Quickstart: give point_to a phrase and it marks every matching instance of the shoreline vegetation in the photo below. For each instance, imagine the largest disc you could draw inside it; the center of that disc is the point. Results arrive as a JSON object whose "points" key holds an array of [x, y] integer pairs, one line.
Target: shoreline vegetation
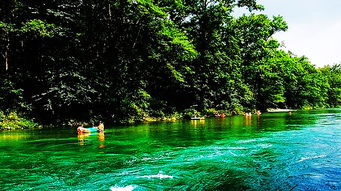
{"points": [[146, 60], [13, 121]]}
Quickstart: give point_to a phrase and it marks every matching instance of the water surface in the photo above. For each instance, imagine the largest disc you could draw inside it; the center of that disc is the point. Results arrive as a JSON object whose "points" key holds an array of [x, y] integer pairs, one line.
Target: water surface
{"points": [[301, 151]]}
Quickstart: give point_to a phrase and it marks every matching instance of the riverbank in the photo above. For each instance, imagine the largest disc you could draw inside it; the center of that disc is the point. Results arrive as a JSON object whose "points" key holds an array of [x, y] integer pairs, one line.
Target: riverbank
{"points": [[13, 120]]}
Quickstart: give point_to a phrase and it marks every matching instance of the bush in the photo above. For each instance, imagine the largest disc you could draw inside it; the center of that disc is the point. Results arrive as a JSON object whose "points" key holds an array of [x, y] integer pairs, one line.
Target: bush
{"points": [[188, 113], [211, 112], [13, 121]]}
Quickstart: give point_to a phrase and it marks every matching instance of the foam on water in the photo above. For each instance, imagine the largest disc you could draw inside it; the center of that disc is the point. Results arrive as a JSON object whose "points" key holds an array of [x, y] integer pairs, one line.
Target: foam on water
{"points": [[160, 176], [312, 157], [125, 188]]}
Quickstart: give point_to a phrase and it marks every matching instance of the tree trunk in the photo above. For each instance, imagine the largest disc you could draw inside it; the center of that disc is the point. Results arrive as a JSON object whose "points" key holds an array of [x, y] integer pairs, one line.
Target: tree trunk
{"points": [[6, 59], [109, 10], [5, 55]]}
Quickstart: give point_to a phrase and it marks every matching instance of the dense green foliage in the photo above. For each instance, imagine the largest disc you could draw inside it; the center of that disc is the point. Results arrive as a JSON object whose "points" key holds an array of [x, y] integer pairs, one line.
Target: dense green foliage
{"points": [[13, 121], [125, 60]]}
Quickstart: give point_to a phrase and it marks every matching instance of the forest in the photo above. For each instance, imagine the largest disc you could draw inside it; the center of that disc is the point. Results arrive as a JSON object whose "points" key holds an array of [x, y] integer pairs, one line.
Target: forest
{"points": [[124, 61]]}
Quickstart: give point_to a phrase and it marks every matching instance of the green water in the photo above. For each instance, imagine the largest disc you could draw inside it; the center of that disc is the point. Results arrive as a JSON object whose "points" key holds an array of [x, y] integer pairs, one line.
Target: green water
{"points": [[301, 151]]}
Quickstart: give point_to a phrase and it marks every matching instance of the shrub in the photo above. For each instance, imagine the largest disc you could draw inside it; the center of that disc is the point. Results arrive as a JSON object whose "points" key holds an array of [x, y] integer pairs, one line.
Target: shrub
{"points": [[188, 113], [13, 121]]}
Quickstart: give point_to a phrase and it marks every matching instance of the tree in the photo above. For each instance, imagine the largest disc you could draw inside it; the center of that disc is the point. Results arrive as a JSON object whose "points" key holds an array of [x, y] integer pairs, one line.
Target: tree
{"points": [[124, 60], [332, 74]]}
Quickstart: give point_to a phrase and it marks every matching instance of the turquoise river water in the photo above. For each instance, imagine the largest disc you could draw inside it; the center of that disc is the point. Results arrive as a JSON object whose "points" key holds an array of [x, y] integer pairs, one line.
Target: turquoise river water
{"points": [[301, 151]]}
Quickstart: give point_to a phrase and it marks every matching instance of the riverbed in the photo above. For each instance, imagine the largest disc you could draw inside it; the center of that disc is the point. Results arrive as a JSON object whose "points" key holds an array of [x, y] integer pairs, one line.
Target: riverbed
{"points": [[275, 151]]}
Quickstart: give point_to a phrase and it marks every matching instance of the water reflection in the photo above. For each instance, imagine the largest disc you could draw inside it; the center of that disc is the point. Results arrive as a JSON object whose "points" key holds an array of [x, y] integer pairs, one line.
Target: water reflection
{"points": [[11, 136], [101, 139], [84, 137], [199, 123], [81, 138], [248, 121]]}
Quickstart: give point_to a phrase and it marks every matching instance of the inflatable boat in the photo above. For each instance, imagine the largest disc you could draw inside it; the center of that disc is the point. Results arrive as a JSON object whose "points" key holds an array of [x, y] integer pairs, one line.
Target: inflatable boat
{"points": [[86, 130]]}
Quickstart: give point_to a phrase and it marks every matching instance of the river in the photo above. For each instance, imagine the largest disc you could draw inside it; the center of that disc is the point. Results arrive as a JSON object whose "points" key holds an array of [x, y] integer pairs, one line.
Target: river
{"points": [[301, 151]]}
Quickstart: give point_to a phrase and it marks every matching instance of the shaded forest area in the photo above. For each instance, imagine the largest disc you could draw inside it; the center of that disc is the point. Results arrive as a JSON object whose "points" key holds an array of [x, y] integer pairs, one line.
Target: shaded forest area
{"points": [[125, 60]]}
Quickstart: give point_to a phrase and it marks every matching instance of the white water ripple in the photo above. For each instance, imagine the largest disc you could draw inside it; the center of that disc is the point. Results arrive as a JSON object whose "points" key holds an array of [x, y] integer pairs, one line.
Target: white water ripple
{"points": [[313, 157], [160, 176], [125, 188]]}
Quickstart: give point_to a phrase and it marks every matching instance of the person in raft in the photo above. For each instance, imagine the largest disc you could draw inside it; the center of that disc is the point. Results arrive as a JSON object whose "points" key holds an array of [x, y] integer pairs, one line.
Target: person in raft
{"points": [[100, 126]]}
